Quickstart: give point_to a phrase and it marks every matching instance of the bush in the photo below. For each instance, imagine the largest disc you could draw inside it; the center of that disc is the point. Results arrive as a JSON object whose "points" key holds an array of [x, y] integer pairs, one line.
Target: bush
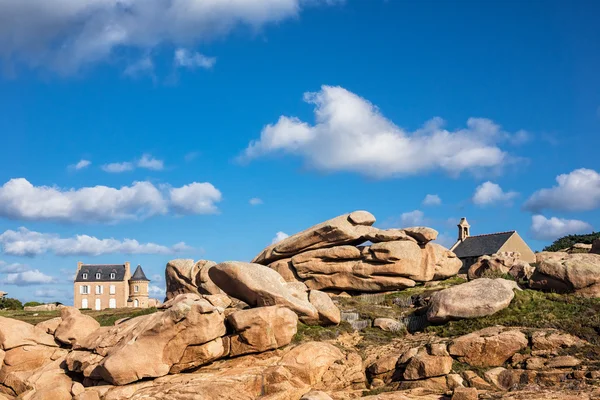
{"points": [[32, 304], [567, 241], [6, 303]]}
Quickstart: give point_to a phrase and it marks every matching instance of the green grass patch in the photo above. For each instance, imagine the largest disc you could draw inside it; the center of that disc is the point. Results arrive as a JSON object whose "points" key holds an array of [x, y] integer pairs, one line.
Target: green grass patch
{"points": [[307, 333], [104, 317], [573, 314]]}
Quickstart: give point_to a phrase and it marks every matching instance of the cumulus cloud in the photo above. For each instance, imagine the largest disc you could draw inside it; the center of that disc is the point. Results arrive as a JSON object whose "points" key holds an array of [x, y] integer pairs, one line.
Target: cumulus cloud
{"points": [[351, 134], [19, 199], [146, 161], [279, 236], [143, 66], [24, 242], [192, 59], [432, 200], [578, 190], [255, 201], [195, 198], [156, 291], [412, 218], [543, 228], [489, 193], [65, 35], [28, 278], [52, 294], [80, 165], [6, 268]]}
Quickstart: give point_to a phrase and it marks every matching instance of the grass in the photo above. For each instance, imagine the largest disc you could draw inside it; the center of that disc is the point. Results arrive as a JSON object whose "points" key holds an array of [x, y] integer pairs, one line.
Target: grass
{"points": [[308, 333], [104, 317], [573, 314]]}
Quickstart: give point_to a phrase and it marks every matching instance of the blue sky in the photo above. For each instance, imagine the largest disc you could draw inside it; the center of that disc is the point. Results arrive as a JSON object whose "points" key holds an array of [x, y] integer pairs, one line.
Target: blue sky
{"points": [[128, 137]]}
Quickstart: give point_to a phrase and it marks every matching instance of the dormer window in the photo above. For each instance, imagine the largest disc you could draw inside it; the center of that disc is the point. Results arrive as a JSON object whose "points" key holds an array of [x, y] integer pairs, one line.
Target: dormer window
{"points": [[84, 276], [113, 275], [98, 275]]}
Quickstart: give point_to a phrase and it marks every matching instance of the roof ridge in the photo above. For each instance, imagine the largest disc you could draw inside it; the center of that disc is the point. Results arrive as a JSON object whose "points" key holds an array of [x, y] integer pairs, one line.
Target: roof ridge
{"points": [[491, 234], [102, 265]]}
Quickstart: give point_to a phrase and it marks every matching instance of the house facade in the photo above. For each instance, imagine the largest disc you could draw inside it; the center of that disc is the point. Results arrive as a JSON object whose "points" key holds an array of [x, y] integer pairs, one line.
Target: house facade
{"points": [[469, 248], [101, 286]]}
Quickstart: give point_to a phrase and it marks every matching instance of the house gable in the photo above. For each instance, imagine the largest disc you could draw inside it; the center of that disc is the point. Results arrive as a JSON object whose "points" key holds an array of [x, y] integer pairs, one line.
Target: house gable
{"points": [[516, 243]]}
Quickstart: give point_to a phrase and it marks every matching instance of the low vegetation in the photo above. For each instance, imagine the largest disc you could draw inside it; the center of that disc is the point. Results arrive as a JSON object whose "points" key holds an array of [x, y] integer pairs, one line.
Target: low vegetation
{"points": [[104, 317], [567, 241]]}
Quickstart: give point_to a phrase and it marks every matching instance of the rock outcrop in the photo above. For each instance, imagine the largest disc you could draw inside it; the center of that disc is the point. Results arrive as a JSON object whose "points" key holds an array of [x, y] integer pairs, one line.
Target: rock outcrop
{"points": [[74, 326], [474, 299], [567, 273], [329, 256], [509, 263], [186, 276]]}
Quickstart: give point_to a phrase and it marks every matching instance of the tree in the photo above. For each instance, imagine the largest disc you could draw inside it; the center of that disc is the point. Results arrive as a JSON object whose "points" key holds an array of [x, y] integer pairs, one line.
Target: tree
{"points": [[6, 303], [568, 241], [32, 304]]}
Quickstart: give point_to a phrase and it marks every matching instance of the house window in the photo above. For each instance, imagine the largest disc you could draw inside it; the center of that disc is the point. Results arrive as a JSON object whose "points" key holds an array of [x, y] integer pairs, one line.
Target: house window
{"points": [[99, 289], [136, 288], [136, 303], [84, 303], [112, 303], [85, 289], [112, 289], [98, 275], [98, 305], [112, 275], [84, 276]]}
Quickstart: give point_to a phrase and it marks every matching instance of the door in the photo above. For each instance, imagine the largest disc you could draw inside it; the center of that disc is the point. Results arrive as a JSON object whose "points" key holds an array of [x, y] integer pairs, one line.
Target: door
{"points": [[136, 303], [112, 303], [84, 303], [98, 304]]}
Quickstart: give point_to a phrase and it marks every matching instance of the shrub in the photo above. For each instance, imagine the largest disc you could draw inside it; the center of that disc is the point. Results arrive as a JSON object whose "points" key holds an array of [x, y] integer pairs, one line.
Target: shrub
{"points": [[7, 303], [568, 241], [32, 304]]}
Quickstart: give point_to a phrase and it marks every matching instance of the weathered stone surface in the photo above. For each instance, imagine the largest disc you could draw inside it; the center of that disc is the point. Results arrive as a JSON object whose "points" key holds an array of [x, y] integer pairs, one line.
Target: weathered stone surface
{"points": [[388, 325], [567, 273], [553, 340], [474, 299], [424, 366], [186, 276], [74, 326], [316, 395], [329, 313], [344, 229], [285, 268], [195, 356], [49, 326], [261, 329], [310, 361], [501, 263], [375, 235], [298, 289], [446, 264], [259, 286], [43, 307], [421, 234], [84, 362], [595, 247], [149, 345], [489, 347], [15, 333], [463, 393], [218, 300]]}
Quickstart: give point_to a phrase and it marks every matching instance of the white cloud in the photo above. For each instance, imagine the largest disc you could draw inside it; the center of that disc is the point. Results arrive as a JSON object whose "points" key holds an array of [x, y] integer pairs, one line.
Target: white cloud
{"points": [[65, 35], [51, 294], [24, 242], [578, 190], [279, 236], [80, 165], [157, 278], [412, 218], [195, 198], [6, 268], [446, 240], [116, 168], [192, 59], [255, 201], [489, 193], [543, 228], [432, 200], [143, 66], [19, 199], [351, 134], [27, 278], [156, 291], [146, 161]]}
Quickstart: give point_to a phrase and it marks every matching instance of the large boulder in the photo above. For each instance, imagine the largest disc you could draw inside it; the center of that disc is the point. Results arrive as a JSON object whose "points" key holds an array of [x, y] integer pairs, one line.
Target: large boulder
{"points": [[261, 329], [489, 347], [567, 273], [148, 346], [260, 286], [474, 299], [329, 313], [595, 247], [424, 365], [14, 333], [74, 326], [186, 276], [345, 229], [501, 263]]}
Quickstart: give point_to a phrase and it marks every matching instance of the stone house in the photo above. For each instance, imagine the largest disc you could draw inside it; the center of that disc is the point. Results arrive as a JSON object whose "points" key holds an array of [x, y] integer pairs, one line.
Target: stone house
{"points": [[469, 248], [110, 286]]}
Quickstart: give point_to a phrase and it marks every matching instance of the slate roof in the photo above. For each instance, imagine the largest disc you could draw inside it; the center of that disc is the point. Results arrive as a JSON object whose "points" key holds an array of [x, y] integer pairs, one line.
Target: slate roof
{"points": [[139, 275], [477, 246], [105, 271]]}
